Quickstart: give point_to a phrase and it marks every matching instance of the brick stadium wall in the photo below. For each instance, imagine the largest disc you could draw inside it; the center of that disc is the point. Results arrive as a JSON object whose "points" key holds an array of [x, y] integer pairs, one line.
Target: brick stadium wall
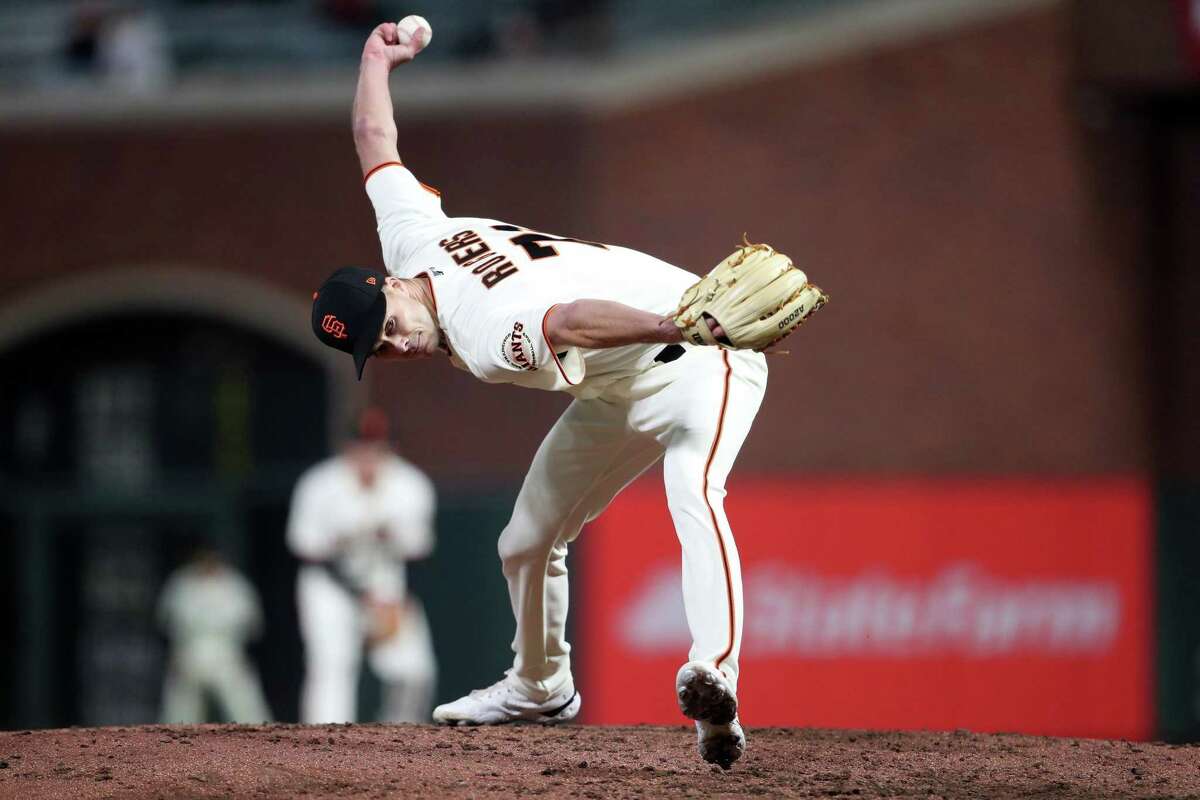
{"points": [[936, 193], [933, 189]]}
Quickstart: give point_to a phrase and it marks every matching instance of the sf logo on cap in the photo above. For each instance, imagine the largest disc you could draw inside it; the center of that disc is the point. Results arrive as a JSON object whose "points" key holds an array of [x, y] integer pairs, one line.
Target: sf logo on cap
{"points": [[334, 326]]}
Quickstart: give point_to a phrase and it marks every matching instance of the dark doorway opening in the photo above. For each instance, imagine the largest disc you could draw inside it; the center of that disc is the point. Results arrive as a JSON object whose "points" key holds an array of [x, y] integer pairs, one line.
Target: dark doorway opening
{"points": [[125, 440]]}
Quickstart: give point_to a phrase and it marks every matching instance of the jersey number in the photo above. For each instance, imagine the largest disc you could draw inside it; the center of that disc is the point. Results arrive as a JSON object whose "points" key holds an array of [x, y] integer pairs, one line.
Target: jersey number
{"points": [[532, 242]]}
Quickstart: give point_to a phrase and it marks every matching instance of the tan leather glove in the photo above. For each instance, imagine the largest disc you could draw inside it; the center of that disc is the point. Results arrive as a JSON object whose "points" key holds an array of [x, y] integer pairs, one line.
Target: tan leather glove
{"points": [[756, 296], [384, 619]]}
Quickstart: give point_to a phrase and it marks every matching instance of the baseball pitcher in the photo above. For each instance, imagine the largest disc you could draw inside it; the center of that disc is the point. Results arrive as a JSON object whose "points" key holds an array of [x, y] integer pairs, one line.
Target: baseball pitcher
{"points": [[661, 367]]}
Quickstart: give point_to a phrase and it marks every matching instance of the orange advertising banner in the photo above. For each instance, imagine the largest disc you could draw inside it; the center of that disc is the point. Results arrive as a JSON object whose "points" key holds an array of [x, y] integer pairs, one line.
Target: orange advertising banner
{"points": [[992, 605]]}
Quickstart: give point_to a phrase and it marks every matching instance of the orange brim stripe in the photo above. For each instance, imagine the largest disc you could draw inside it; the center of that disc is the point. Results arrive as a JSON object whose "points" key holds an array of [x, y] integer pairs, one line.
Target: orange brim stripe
{"points": [[432, 293], [378, 167], [550, 345]]}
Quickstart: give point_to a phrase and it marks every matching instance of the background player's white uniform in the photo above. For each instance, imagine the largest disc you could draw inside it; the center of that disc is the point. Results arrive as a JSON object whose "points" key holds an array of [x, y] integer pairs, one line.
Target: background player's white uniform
{"points": [[209, 612], [493, 285], [360, 535]]}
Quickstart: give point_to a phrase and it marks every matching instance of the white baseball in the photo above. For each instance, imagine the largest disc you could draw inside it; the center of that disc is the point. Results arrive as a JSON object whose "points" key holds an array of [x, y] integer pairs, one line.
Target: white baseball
{"points": [[417, 28]]}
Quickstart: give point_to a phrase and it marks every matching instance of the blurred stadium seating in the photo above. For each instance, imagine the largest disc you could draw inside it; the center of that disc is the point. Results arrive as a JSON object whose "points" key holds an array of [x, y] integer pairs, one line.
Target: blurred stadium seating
{"points": [[242, 38]]}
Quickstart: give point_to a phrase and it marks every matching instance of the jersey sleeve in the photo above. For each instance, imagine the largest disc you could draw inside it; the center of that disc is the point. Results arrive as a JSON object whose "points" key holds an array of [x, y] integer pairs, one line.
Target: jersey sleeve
{"points": [[516, 349], [308, 534], [404, 209], [248, 614], [168, 604], [411, 524]]}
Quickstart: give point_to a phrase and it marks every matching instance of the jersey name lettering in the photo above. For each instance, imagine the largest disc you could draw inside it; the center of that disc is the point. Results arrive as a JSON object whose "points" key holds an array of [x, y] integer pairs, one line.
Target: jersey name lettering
{"points": [[468, 249]]}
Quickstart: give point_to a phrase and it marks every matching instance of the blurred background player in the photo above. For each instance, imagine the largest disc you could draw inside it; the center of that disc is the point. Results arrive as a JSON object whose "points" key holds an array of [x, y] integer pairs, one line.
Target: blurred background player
{"points": [[209, 611], [355, 520], [122, 45]]}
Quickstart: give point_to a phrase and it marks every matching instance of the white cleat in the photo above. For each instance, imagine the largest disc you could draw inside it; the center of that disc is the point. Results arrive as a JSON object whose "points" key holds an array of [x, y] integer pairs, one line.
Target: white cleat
{"points": [[721, 744], [705, 694], [503, 702]]}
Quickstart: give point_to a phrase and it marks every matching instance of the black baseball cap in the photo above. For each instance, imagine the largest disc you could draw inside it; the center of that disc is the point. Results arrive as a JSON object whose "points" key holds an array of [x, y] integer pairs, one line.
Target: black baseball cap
{"points": [[348, 312]]}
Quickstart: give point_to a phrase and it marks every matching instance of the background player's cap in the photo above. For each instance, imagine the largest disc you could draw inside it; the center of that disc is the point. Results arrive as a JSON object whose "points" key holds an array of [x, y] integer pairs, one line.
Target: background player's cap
{"points": [[371, 425], [348, 312]]}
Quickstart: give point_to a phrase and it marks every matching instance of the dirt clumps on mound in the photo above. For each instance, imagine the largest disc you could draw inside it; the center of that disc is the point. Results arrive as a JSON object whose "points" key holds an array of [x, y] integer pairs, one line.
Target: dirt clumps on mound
{"points": [[380, 761]]}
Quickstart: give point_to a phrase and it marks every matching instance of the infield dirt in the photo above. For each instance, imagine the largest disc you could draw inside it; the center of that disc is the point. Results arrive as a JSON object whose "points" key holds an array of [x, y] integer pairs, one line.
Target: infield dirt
{"points": [[381, 761]]}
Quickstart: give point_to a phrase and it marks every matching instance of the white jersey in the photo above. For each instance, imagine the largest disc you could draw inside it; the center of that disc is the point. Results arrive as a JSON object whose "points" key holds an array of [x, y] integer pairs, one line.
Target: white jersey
{"points": [[368, 532], [494, 284], [209, 615]]}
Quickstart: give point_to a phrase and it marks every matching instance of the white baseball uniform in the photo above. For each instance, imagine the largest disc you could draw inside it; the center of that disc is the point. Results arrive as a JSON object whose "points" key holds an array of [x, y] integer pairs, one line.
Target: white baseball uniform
{"points": [[493, 285], [354, 540], [208, 616]]}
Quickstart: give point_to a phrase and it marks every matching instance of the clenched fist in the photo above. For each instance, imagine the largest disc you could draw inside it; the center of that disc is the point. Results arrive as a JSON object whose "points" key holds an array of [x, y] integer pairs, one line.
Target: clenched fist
{"points": [[398, 42]]}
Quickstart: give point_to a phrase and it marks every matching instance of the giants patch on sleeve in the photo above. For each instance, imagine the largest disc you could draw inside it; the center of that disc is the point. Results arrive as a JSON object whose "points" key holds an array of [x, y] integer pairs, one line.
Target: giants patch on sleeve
{"points": [[517, 349]]}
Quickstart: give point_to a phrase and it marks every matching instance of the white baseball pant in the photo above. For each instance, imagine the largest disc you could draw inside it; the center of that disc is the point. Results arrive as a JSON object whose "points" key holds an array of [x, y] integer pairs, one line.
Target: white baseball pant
{"points": [[215, 669], [695, 413], [333, 628]]}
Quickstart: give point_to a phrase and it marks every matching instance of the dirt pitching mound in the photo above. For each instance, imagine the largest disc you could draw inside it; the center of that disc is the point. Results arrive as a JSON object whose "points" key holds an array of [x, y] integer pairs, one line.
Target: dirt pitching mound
{"points": [[377, 761]]}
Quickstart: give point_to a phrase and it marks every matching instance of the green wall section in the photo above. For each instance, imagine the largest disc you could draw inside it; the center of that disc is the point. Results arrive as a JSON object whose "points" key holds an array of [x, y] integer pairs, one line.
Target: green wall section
{"points": [[466, 598], [461, 586], [464, 592], [1179, 611]]}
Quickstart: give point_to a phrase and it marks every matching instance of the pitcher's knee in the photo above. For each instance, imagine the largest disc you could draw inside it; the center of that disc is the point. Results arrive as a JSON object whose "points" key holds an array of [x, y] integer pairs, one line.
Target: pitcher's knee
{"points": [[519, 547], [691, 503]]}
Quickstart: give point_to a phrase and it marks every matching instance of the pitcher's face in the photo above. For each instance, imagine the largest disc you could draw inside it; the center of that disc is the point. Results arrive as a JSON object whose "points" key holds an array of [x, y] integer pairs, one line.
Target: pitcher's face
{"points": [[409, 329]]}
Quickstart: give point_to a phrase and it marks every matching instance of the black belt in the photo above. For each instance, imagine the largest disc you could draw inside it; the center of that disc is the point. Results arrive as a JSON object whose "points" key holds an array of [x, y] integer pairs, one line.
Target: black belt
{"points": [[669, 353]]}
